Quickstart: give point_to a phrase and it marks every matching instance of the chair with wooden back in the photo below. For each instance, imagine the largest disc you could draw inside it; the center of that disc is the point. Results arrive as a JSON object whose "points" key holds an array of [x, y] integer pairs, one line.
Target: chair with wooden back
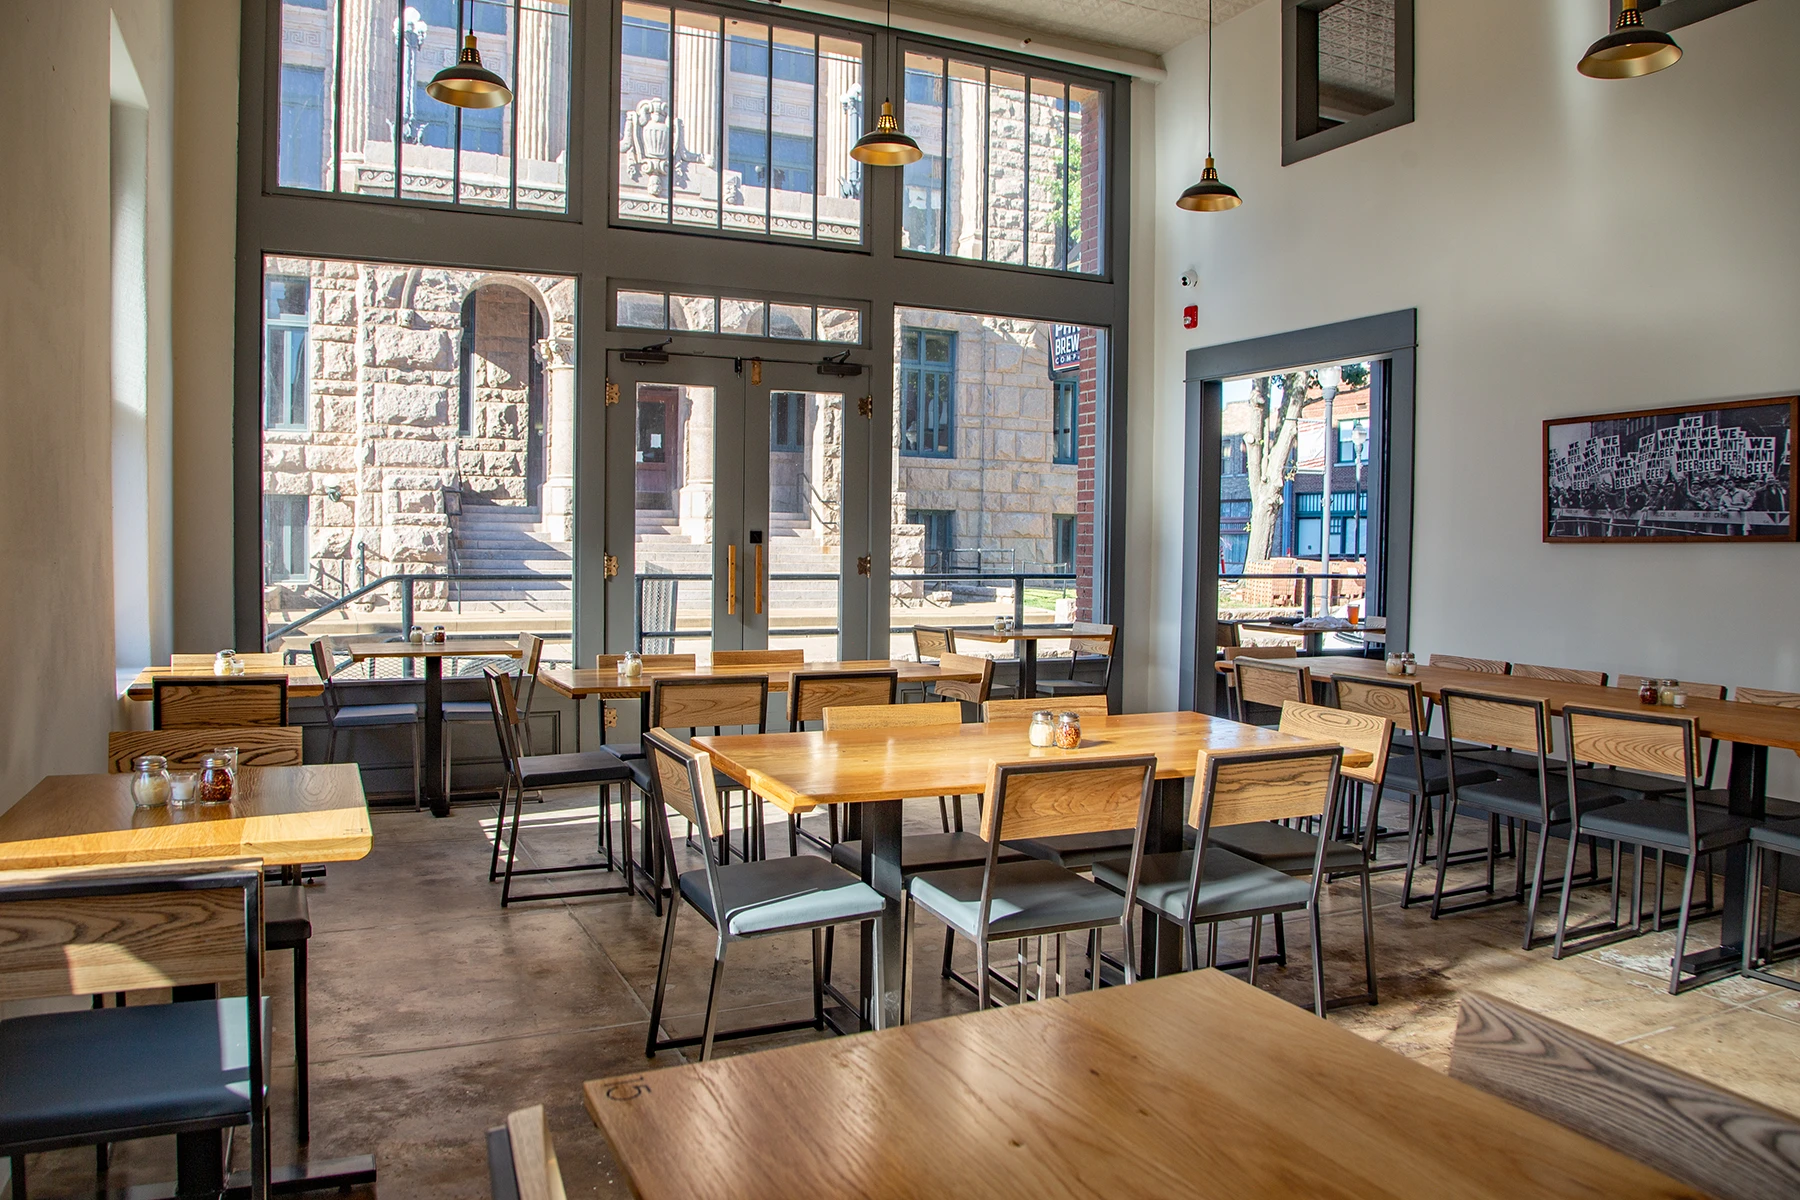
{"points": [[650, 662], [1091, 663], [200, 702], [1456, 662], [96, 1076], [339, 716], [257, 746], [1076, 851], [968, 691], [524, 686], [1559, 674], [1270, 684], [1700, 691], [522, 1158], [1656, 744], [931, 642], [1293, 851], [759, 658], [1715, 1141], [761, 898], [253, 660], [1235, 651], [1209, 884], [809, 694], [1635, 783], [718, 703], [996, 712], [1005, 901]]}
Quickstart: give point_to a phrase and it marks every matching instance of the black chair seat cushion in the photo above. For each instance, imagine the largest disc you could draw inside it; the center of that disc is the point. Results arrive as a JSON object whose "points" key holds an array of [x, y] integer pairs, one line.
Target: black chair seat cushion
{"points": [[1403, 743], [468, 710], [1633, 783], [1077, 851], [586, 766], [1029, 898], [927, 852], [287, 922], [626, 750], [1280, 848], [1506, 760], [1662, 823], [1071, 687], [1230, 886], [351, 716], [1778, 835], [1402, 775], [107, 1074], [775, 894], [1511, 796]]}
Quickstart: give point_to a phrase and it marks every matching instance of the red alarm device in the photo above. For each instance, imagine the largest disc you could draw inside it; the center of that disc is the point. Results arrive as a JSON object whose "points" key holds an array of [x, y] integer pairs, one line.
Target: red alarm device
{"points": [[1190, 317]]}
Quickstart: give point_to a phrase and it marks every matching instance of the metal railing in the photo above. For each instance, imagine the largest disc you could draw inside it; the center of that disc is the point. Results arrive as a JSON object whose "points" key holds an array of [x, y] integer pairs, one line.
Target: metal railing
{"points": [[1019, 582], [1308, 592]]}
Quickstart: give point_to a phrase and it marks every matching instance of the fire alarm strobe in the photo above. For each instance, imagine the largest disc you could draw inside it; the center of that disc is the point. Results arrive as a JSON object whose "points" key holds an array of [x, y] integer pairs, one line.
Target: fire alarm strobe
{"points": [[1190, 317]]}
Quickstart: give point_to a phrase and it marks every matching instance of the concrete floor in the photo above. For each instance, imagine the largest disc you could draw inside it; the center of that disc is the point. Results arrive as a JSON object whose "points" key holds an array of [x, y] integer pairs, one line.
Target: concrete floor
{"points": [[434, 1012]]}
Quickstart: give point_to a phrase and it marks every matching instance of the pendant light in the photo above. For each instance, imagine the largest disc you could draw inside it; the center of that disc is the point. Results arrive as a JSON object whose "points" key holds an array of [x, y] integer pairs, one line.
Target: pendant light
{"points": [[1209, 195], [1630, 49], [886, 145], [468, 84]]}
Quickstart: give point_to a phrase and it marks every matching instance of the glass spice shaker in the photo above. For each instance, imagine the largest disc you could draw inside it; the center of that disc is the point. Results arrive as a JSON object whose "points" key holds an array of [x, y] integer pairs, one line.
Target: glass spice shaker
{"points": [[1043, 728], [215, 779], [1068, 730], [1647, 692], [1665, 694], [150, 787]]}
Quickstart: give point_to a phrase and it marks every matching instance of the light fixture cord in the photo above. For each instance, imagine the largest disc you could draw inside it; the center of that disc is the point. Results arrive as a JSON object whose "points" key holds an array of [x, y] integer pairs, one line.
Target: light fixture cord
{"points": [[1209, 70]]}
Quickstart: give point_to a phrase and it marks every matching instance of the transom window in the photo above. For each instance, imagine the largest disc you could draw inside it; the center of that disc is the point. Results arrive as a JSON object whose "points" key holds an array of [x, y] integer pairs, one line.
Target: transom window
{"points": [[735, 316], [286, 330], [354, 116], [927, 393], [738, 126], [1014, 166]]}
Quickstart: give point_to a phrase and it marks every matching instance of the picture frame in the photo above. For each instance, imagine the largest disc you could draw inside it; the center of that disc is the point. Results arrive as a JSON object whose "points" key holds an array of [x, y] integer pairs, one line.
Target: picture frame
{"points": [[1718, 472]]}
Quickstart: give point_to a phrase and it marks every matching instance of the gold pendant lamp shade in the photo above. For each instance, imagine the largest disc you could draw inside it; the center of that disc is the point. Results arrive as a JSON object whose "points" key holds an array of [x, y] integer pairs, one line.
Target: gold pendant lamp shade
{"points": [[1209, 195], [1630, 49], [468, 84], [886, 145]]}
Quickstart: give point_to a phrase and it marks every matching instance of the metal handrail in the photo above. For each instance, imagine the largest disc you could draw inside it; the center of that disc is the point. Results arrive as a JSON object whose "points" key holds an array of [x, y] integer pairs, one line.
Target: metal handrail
{"points": [[406, 594]]}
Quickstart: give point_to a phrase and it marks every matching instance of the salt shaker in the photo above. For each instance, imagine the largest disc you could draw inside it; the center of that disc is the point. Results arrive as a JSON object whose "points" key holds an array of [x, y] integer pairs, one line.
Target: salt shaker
{"points": [[150, 787], [632, 665], [1043, 728], [417, 636]]}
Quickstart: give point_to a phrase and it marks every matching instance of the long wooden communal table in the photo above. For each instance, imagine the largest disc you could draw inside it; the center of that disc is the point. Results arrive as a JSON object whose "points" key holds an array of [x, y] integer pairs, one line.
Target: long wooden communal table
{"points": [[1751, 729], [1194, 1085], [285, 816], [578, 683], [877, 769], [302, 679]]}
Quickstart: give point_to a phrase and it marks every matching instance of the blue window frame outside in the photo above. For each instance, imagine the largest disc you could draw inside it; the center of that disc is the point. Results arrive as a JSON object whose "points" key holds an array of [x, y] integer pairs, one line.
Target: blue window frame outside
{"points": [[793, 167], [643, 38], [1067, 407], [301, 160], [940, 536], [284, 539], [286, 332], [787, 421], [928, 393]]}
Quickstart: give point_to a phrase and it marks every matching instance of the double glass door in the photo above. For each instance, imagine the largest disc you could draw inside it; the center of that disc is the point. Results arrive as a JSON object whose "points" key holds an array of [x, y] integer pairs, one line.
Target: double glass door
{"points": [[731, 510]]}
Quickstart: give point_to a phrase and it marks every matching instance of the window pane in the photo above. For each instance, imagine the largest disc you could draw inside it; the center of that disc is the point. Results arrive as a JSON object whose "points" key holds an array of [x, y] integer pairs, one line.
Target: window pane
{"points": [[427, 126], [791, 321], [1006, 167], [308, 89], [1087, 178], [747, 127], [541, 105], [485, 167], [793, 157], [965, 185], [693, 131], [840, 325], [1048, 114], [643, 310], [697, 314], [646, 129], [741, 317], [922, 212], [370, 72], [839, 124]]}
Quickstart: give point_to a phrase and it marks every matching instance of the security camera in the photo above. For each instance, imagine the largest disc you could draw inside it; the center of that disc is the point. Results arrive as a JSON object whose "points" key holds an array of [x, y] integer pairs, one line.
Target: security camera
{"points": [[1190, 277]]}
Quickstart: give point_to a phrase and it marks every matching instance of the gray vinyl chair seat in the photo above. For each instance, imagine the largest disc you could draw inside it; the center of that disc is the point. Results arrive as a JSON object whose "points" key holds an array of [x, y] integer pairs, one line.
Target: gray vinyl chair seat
{"points": [[1403, 743], [1507, 760], [468, 710], [1029, 897], [775, 894], [626, 750], [73, 1077], [352, 716], [1402, 775], [1634, 782], [921, 852], [1230, 886], [1071, 687], [585, 766], [1280, 848], [1659, 823], [1778, 835], [287, 921], [1076, 851], [1510, 796]]}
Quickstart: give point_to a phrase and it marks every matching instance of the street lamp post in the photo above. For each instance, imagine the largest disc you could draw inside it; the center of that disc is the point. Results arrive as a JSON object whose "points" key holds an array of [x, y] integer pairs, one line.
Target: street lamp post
{"points": [[1330, 378]]}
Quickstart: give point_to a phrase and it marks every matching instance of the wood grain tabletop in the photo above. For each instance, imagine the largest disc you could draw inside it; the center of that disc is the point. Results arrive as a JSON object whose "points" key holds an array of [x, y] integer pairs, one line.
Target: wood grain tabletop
{"points": [[466, 648], [302, 679], [1194, 1085]]}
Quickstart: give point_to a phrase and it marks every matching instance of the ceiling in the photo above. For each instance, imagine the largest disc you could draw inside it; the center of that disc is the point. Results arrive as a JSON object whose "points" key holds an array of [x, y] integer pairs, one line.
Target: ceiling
{"points": [[1156, 26]]}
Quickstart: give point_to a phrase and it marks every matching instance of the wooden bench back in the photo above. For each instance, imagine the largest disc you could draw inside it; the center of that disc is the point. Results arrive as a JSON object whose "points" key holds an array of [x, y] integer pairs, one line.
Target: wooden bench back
{"points": [[759, 658], [1233, 653], [1660, 743], [1351, 730], [972, 691], [1039, 798], [1560, 674], [1399, 700], [257, 745], [1511, 722], [223, 700], [1711, 1139], [1273, 684], [1455, 662], [1021, 710], [891, 716], [1237, 787], [811, 693], [673, 662], [715, 701]]}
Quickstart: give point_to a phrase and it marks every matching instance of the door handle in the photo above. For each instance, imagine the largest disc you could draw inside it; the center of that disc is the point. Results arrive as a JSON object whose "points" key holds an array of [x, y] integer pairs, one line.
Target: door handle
{"points": [[731, 579], [757, 586]]}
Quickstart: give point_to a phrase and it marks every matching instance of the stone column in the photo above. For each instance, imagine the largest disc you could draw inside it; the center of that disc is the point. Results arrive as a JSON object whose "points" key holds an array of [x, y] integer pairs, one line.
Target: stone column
{"points": [[354, 62], [695, 505], [559, 444]]}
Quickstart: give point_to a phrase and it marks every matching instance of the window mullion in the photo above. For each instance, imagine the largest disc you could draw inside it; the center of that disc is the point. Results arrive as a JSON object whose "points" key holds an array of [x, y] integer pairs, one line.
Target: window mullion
{"points": [[518, 37], [399, 92]]}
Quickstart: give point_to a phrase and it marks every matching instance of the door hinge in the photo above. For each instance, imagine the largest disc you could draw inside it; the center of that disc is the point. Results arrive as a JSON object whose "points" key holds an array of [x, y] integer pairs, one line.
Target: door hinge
{"points": [[612, 393], [866, 406], [865, 565], [610, 564]]}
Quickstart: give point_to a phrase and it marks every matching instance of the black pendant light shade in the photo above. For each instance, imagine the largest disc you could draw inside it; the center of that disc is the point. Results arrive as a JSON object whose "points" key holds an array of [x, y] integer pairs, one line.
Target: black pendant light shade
{"points": [[1630, 49], [886, 145], [1209, 195], [468, 84]]}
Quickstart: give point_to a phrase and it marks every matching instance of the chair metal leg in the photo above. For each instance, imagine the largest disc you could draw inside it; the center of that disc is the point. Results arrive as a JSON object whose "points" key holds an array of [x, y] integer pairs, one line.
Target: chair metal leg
{"points": [[417, 803], [712, 1003], [1537, 882], [499, 830], [906, 957], [1681, 930], [18, 1176], [302, 1057], [981, 975], [1445, 831], [512, 846], [1568, 889], [662, 979], [331, 744], [1368, 916], [818, 965], [1255, 946], [1318, 960]]}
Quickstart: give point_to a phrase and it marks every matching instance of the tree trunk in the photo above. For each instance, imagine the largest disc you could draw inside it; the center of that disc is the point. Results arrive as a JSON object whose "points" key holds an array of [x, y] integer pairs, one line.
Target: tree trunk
{"points": [[1267, 456]]}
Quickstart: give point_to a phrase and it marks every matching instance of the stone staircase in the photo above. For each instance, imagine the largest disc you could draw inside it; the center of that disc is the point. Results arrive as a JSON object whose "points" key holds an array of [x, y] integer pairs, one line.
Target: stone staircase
{"points": [[498, 538]]}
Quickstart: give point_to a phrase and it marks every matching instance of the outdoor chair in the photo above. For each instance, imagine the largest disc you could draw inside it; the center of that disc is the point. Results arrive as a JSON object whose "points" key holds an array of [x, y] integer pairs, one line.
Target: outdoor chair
{"points": [[340, 716]]}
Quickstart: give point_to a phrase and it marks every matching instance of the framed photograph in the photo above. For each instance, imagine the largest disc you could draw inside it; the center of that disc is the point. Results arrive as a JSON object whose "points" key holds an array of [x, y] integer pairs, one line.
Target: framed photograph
{"points": [[1701, 473]]}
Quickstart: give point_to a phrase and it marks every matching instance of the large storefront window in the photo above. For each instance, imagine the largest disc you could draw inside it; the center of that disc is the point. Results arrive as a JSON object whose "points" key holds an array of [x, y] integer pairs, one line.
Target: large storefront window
{"points": [[738, 126], [996, 520], [355, 117], [435, 440]]}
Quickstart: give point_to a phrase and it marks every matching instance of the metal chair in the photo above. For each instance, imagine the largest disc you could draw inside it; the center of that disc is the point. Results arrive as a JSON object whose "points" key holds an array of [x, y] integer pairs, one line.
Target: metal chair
{"points": [[1293, 851], [1657, 744], [1559, 674], [743, 900], [1270, 684], [1777, 840], [527, 772], [1209, 884], [102, 1075], [809, 694], [974, 692], [1237, 650], [522, 1158], [930, 643], [1091, 663], [1008, 901], [660, 662], [524, 685], [339, 715], [199, 701], [996, 712], [257, 746]]}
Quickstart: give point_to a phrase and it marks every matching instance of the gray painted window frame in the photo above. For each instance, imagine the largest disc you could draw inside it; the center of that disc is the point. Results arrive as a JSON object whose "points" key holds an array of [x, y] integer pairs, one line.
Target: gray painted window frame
{"points": [[1300, 139], [1388, 336], [588, 245]]}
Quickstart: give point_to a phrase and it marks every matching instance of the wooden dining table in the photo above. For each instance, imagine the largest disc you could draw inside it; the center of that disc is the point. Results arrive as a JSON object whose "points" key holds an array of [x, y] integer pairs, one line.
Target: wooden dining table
{"points": [[1025, 638], [877, 769], [1195, 1085], [434, 785], [1312, 639], [1751, 730], [285, 816]]}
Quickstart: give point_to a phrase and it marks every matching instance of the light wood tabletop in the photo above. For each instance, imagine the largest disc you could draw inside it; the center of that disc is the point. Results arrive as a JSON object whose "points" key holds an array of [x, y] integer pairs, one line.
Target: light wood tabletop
{"points": [[800, 771], [302, 679], [1021, 633], [1193, 1085], [282, 815], [465, 648], [577, 682]]}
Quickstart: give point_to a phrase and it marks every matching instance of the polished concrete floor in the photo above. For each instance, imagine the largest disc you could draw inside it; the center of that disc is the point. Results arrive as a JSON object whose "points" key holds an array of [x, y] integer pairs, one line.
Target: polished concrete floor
{"points": [[435, 1012]]}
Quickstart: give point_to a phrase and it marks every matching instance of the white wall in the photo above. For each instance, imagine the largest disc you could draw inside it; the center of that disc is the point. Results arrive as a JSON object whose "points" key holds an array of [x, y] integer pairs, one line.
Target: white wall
{"points": [[1572, 246]]}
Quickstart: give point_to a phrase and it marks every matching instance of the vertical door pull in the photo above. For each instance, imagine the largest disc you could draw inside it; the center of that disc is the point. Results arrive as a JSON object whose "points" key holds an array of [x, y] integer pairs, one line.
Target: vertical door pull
{"points": [[731, 579]]}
